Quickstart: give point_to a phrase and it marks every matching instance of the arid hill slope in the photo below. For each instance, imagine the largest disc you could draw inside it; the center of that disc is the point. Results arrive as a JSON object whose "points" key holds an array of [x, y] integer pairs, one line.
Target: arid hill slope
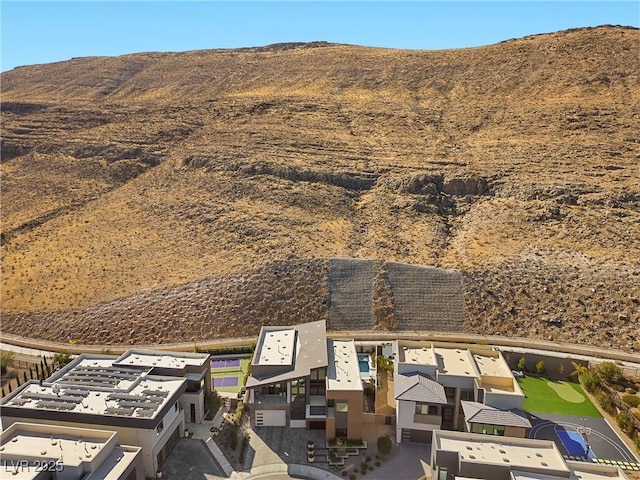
{"points": [[517, 163]]}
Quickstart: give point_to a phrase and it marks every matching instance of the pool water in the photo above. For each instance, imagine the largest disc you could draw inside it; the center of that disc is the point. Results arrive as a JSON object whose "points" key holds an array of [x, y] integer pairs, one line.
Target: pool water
{"points": [[363, 362]]}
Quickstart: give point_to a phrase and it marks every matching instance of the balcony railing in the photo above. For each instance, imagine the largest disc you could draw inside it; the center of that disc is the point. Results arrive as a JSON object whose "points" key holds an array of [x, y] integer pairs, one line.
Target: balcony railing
{"points": [[269, 398]]}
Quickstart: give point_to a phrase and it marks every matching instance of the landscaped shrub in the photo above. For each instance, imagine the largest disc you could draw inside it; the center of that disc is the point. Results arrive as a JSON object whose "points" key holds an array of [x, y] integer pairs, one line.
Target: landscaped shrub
{"points": [[589, 380], [377, 464], [367, 458], [6, 361], [522, 364], [624, 422], [606, 402], [384, 445], [352, 476], [344, 473], [631, 400], [540, 368], [638, 443]]}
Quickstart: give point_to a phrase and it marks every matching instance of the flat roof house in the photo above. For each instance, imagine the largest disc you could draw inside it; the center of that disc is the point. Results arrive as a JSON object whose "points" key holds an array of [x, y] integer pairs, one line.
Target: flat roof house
{"points": [[38, 452], [288, 372], [460, 455], [301, 379], [138, 395], [436, 383]]}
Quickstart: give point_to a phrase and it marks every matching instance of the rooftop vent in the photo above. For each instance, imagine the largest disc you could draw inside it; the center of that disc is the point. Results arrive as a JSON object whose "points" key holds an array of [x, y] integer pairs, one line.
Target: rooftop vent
{"points": [[506, 460], [544, 464]]}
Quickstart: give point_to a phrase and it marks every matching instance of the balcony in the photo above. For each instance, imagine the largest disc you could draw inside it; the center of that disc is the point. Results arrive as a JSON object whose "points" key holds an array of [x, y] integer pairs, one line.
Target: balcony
{"points": [[270, 399], [317, 408], [427, 419]]}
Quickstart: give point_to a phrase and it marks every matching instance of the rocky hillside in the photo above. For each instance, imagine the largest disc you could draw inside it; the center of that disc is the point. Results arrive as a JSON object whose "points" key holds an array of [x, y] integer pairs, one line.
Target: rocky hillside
{"points": [[518, 164]]}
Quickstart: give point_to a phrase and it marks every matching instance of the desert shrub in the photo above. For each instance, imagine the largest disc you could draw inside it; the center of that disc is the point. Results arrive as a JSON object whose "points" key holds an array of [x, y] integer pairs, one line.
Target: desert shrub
{"points": [[631, 390], [62, 358], [540, 368], [367, 459], [610, 372], [631, 400], [352, 476], [624, 422], [637, 414], [377, 464], [522, 364], [638, 443], [384, 445], [589, 380], [605, 401], [6, 361], [344, 473], [617, 387]]}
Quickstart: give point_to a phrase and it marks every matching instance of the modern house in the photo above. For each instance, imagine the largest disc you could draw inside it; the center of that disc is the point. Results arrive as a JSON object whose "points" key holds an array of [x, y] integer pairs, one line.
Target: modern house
{"points": [[287, 385], [434, 383], [470, 456], [39, 452], [139, 395], [301, 379]]}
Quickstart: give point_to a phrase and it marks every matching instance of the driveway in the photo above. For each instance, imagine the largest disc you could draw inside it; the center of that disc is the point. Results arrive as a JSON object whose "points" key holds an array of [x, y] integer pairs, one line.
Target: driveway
{"points": [[190, 459], [406, 466]]}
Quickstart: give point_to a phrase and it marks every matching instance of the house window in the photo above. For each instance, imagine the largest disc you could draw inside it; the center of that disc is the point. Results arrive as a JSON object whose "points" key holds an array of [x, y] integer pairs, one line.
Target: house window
{"points": [[160, 426], [317, 384], [467, 395], [424, 408], [450, 392], [298, 388], [342, 407]]}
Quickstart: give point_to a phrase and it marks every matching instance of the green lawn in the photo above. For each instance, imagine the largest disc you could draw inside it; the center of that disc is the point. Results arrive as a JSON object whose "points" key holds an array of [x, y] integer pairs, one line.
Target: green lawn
{"points": [[230, 372], [556, 396]]}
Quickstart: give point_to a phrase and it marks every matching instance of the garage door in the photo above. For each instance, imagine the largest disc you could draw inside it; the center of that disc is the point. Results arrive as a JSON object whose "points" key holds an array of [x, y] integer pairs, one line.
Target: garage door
{"points": [[417, 436], [271, 418]]}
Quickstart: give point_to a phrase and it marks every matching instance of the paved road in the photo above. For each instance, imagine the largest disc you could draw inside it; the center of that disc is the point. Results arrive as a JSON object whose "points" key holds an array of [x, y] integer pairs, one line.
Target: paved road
{"points": [[586, 351]]}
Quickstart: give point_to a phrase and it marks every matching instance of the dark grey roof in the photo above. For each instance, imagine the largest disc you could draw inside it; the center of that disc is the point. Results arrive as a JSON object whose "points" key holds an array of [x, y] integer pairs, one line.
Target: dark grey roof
{"points": [[475, 412], [418, 387], [310, 353]]}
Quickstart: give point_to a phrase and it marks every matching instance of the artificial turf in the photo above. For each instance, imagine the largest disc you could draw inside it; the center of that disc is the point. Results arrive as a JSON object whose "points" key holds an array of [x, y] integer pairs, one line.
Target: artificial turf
{"points": [[546, 395]]}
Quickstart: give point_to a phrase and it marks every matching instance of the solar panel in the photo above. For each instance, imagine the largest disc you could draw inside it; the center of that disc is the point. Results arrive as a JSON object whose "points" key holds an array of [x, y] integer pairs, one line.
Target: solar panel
{"points": [[126, 403], [76, 393], [120, 411], [158, 393], [124, 396], [56, 405], [50, 396]]}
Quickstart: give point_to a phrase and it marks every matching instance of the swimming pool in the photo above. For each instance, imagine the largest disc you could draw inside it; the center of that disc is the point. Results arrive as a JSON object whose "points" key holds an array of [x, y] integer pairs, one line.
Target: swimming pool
{"points": [[363, 363]]}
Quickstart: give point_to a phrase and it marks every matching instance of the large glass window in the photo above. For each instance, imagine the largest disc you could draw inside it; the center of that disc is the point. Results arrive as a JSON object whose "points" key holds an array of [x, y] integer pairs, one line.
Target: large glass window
{"points": [[317, 384], [342, 406], [466, 395], [426, 409], [298, 388]]}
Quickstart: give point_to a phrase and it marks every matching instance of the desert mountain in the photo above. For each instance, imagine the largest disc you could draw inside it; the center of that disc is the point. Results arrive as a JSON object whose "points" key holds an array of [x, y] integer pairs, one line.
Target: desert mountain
{"points": [[174, 196]]}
